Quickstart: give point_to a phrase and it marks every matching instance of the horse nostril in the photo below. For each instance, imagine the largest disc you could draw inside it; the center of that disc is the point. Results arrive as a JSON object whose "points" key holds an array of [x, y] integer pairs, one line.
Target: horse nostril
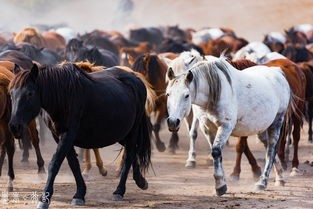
{"points": [[177, 122]]}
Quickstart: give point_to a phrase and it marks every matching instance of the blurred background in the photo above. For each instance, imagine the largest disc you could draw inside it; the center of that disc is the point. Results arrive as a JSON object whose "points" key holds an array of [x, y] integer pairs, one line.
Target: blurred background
{"points": [[250, 19]]}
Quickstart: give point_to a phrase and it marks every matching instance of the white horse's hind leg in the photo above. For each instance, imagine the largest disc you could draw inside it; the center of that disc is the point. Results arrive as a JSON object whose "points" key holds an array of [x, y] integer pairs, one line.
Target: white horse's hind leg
{"points": [[192, 123], [270, 140], [279, 179]]}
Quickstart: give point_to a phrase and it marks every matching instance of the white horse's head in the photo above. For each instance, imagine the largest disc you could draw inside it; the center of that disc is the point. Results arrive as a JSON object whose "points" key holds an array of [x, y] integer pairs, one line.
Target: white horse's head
{"points": [[178, 98]]}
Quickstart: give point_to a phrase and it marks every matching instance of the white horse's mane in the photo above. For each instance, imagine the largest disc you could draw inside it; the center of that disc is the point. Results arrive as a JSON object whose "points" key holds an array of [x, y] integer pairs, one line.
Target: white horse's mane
{"points": [[209, 70]]}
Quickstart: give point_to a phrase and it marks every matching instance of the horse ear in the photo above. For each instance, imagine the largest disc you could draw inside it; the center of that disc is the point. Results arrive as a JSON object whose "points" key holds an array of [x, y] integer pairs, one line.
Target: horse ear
{"points": [[131, 59], [16, 69], [34, 72], [170, 74], [167, 61], [189, 76]]}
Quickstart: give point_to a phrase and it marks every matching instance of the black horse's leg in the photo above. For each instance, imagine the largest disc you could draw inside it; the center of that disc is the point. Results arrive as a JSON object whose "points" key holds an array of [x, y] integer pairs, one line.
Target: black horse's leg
{"points": [[127, 162], [137, 176], [2, 156], [10, 152], [79, 197], [64, 147], [173, 143], [310, 132]]}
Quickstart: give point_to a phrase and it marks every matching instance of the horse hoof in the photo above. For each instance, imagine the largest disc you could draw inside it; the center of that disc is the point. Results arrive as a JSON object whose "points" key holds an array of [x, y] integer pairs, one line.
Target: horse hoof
{"points": [[161, 147], [190, 164], [85, 175], [41, 170], [296, 172], [280, 183], [25, 161], [10, 188], [117, 197], [77, 202], [222, 190], [234, 177], [257, 174], [259, 187], [172, 150], [103, 172], [284, 165], [42, 205]]}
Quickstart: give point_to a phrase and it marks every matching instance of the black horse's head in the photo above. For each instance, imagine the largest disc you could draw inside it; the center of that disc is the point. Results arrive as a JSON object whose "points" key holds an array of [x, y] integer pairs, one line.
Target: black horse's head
{"points": [[25, 99]]}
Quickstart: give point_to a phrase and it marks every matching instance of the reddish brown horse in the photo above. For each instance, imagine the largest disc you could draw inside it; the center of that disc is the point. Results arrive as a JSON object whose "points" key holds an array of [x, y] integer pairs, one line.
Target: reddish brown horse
{"points": [[6, 138], [297, 82]]}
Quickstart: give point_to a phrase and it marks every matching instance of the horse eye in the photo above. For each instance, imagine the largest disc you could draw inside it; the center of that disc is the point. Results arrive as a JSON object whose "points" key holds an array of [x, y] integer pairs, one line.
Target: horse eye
{"points": [[167, 94], [186, 96]]}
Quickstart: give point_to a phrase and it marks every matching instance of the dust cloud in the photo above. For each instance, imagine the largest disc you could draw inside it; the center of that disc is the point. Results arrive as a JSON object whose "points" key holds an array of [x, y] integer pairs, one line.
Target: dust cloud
{"points": [[250, 19]]}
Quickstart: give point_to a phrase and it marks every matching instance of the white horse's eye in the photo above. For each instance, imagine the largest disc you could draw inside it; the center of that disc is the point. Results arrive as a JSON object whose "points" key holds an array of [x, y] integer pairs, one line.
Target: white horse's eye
{"points": [[167, 94], [186, 96]]}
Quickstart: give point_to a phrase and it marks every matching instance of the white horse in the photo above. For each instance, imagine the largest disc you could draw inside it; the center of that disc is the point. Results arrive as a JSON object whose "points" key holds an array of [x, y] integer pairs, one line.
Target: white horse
{"points": [[253, 51], [238, 103], [179, 65]]}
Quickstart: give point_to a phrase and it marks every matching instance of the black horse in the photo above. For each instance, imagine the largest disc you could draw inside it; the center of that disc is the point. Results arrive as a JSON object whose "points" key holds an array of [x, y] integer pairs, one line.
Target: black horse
{"points": [[85, 110], [76, 51]]}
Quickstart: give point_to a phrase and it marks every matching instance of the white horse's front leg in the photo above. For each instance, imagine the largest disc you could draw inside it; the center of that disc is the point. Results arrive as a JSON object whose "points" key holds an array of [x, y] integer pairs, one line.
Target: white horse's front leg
{"points": [[191, 161], [222, 135]]}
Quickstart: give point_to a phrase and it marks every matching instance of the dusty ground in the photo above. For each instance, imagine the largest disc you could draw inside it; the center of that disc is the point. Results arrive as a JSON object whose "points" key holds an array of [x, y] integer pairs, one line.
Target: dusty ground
{"points": [[171, 186]]}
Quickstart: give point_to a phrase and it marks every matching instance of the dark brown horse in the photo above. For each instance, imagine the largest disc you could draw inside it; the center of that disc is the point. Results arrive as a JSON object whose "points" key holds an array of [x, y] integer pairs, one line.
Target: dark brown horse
{"points": [[154, 70], [297, 82]]}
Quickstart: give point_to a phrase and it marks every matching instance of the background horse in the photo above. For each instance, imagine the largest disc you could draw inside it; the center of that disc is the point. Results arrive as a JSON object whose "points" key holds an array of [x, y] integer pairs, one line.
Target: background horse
{"points": [[86, 110], [214, 86]]}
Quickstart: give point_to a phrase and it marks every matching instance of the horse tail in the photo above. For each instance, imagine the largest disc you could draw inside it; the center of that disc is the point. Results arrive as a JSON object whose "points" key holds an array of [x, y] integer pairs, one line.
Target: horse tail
{"points": [[143, 144]]}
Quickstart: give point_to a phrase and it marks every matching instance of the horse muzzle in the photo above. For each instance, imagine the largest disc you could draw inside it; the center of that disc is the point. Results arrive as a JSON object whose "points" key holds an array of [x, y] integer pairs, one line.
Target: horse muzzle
{"points": [[173, 124], [16, 129]]}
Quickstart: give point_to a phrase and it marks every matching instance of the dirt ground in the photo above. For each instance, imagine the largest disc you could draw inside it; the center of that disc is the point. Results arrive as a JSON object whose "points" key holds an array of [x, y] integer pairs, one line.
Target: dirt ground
{"points": [[171, 185]]}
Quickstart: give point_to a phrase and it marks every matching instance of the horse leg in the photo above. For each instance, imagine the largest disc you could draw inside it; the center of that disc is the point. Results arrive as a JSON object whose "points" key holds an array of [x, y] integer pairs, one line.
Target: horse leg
{"points": [[79, 196], [33, 133], [10, 149], [87, 163], [279, 179], [173, 146], [99, 162], [222, 135], [141, 182], [256, 169], [281, 150], [192, 124], [270, 140], [65, 144], [26, 146], [160, 114], [209, 135], [120, 162], [296, 139], [2, 156], [240, 146], [310, 132], [118, 194]]}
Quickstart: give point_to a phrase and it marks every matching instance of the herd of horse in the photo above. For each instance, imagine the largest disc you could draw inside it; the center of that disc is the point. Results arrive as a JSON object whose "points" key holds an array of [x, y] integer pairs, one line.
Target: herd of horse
{"points": [[103, 87]]}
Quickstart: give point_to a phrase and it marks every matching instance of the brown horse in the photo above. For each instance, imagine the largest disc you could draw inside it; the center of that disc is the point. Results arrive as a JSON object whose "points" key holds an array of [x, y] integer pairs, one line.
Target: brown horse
{"points": [[54, 41], [6, 137], [297, 82]]}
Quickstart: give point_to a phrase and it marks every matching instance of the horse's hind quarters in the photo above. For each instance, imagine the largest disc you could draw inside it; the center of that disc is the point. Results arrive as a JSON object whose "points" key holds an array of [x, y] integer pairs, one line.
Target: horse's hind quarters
{"points": [[173, 124]]}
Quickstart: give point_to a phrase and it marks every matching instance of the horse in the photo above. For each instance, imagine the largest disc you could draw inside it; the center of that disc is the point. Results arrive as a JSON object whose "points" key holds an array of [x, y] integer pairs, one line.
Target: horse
{"points": [[307, 68], [298, 84], [275, 41], [75, 51], [297, 53], [221, 92], [30, 35], [152, 35], [86, 110], [154, 70], [7, 140], [43, 56], [253, 51], [16, 57], [53, 41]]}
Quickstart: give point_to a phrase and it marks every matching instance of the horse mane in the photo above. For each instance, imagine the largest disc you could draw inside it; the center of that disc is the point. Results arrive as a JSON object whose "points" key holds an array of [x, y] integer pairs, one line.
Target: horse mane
{"points": [[89, 67], [210, 71], [151, 66], [28, 49]]}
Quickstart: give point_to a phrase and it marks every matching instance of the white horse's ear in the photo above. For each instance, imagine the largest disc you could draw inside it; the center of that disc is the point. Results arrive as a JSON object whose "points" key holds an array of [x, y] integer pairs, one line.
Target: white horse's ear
{"points": [[194, 52], [189, 76], [170, 74], [167, 61]]}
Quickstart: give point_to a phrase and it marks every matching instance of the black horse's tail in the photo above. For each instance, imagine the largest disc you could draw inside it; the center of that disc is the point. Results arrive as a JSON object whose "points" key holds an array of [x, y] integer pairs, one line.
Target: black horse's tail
{"points": [[143, 151]]}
